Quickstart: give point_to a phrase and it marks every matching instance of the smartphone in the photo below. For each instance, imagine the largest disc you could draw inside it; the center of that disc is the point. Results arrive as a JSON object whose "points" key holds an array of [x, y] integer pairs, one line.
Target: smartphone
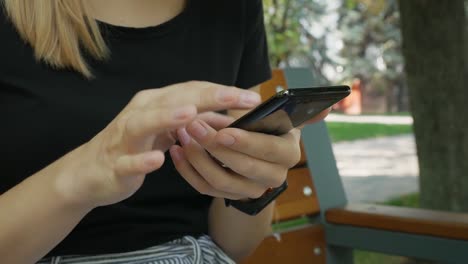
{"points": [[290, 108]]}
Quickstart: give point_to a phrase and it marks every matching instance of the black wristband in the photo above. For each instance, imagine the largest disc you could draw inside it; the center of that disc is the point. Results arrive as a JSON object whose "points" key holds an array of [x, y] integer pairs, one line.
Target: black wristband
{"points": [[254, 206]]}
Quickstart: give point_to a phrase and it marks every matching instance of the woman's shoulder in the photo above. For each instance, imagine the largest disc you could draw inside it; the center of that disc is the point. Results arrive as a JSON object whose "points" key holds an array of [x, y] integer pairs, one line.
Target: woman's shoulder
{"points": [[4, 19], [8, 33], [14, 50]]}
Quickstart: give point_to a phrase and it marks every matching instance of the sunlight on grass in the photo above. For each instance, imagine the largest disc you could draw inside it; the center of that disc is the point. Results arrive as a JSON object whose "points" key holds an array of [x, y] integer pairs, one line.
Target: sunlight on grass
{"points": [[340, 131]]}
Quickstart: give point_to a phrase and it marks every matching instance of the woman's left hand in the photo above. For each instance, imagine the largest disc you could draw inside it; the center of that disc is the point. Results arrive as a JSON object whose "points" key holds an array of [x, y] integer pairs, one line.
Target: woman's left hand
{"points": [[253, 162]]}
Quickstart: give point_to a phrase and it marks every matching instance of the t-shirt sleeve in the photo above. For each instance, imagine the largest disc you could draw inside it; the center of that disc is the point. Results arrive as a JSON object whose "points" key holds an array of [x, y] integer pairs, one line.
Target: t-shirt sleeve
{"points": [[254, 66]]}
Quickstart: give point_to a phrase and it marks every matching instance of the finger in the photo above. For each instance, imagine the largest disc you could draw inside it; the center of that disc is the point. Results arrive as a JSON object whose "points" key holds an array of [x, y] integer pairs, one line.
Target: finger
{"points": [[143, 123], [318, 117], [164, 140], [216, 120], [283, 149], [194, 178], [206, 96], [265, 173], [217, 176], [139, 164]]}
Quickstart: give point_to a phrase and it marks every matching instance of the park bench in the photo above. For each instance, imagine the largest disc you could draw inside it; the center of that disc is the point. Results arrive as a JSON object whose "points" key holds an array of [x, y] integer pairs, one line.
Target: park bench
{"points": [[330, 226]]}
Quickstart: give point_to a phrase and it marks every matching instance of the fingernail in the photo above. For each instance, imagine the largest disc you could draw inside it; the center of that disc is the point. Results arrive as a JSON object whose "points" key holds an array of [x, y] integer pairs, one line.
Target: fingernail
{"points": [[177, 154], [225, 95], [183, 136], [199, 131], [250, 98], [184, 112], [226, 140]]}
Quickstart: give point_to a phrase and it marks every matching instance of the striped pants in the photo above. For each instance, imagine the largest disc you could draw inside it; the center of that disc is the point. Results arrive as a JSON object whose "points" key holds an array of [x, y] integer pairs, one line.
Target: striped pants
{"points": [[186, 250]]}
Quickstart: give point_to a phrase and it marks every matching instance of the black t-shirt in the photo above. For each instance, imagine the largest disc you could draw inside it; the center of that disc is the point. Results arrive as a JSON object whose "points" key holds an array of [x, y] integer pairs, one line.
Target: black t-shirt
{"points": [[47, 113]]}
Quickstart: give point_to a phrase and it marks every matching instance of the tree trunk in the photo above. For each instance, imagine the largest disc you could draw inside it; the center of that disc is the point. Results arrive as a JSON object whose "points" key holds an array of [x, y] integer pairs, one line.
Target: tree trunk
{"points": [[402, 95], [434, 47]]}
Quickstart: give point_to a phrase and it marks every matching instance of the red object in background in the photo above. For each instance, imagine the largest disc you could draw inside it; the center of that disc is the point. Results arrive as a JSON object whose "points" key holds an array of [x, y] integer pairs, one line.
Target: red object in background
{"points": [[351, 105]]}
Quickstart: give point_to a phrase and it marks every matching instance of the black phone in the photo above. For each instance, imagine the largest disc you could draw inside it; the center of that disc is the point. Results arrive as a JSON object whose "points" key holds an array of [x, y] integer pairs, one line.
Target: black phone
{"points": [[290, 108], [277, 116]]}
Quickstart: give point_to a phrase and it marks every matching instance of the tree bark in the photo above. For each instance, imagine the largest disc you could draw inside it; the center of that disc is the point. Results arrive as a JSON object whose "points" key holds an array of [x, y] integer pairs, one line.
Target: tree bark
{"points": [[435, 51]]}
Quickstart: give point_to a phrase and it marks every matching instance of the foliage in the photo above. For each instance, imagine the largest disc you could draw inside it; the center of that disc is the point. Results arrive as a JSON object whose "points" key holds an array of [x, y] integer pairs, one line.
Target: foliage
{"points": [[372, 41], [290, 39], [340, 40]]}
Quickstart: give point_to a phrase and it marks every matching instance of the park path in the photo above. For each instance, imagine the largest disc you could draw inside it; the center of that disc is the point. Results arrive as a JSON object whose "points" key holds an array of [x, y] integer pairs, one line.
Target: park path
{"points": [[375, 119], [378, 169]]}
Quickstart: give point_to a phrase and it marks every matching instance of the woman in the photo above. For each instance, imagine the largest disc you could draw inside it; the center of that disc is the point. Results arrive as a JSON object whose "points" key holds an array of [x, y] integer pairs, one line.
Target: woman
{"points": [[94, 95]]}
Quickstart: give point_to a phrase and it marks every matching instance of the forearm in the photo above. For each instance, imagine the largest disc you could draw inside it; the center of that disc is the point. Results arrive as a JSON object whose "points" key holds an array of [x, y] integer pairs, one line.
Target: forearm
{"points": [[35, 216], [237, 233]]}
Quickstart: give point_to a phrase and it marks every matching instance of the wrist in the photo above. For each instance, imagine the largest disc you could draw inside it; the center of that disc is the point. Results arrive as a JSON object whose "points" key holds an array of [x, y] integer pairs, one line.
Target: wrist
{"points": [[68, 181]]}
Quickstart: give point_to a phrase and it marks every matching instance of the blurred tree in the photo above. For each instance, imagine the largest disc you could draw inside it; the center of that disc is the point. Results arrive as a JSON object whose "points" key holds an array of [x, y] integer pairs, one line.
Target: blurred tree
{"points": [[289, 38], [435, 36], [340, 40], [372, 48]]}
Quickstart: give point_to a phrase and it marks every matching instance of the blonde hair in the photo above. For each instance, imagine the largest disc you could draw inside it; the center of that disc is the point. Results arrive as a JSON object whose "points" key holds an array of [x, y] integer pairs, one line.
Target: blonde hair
{"points": [[58, 31]]}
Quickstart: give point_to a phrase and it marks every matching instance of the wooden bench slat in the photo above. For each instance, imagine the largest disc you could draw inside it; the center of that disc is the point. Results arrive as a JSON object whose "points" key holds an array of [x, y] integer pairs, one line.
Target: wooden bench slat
{"points": [[268, 88], [302, 246], [293, 202], [407, 220]]}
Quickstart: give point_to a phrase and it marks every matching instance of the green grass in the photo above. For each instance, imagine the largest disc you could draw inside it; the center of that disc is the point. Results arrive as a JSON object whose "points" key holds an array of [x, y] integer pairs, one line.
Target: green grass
{"points": [[409, 200], [364, 257], [290, 224], [351, 131]]}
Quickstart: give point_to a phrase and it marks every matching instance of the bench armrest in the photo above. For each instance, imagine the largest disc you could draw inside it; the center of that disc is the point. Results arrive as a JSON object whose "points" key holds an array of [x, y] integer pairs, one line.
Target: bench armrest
{"points": [[400, 219]]}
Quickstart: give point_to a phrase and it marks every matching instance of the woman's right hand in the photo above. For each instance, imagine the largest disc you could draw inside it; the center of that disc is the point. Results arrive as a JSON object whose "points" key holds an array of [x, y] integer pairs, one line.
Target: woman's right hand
{"points": [[112, 166]]}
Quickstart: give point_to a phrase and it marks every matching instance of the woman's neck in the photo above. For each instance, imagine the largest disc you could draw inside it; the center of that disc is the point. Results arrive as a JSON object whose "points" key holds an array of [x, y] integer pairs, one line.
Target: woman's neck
{"points": [[135, 13]]}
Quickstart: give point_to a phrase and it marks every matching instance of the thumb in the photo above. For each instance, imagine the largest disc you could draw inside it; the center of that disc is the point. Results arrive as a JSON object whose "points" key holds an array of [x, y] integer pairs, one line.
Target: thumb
{"points": [[139, 164]]}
